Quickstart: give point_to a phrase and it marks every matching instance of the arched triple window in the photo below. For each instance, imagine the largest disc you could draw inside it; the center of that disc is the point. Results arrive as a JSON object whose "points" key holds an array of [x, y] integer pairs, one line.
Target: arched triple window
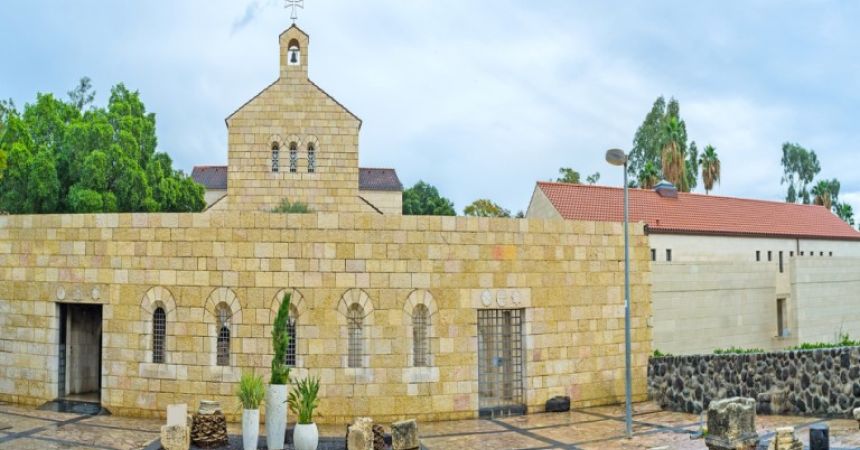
{"points": [[159, 335], [420, 336], [290, 357], [276, 157], [355, 324], [223, 342], [312, 158], [294, 157]]}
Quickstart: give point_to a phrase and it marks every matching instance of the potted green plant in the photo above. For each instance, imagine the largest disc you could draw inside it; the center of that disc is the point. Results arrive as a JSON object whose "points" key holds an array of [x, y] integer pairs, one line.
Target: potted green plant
{"points": [[303, 401], [250, 393], [276, 391]]}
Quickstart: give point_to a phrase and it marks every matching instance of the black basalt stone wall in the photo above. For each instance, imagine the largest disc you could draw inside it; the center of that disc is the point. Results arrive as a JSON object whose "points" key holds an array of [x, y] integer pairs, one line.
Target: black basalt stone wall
{"points": [[822, 382]]}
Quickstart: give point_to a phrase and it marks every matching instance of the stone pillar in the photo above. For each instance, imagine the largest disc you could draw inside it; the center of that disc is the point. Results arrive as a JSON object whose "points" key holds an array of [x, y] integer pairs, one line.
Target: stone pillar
{"points": [[731, 424], [785, 440], [404, 435], [360, 434], [819, 437]]}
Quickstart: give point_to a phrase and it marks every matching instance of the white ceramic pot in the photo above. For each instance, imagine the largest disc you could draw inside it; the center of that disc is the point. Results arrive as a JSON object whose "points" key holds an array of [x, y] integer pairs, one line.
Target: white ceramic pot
{"points": [[250, 428], [306, 437], [276, 416]]}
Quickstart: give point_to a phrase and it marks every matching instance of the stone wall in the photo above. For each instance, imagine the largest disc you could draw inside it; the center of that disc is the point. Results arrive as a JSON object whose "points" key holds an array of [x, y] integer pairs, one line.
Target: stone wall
{"points": [[813, 382], [566, 276]]}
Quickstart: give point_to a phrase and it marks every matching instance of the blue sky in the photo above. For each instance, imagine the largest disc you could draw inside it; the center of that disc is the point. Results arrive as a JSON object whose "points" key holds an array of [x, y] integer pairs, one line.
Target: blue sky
{"points": [[480, 98]]}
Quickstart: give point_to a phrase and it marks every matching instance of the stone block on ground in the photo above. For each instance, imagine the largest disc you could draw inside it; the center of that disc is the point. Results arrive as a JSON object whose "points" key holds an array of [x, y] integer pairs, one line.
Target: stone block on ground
{"points": [[857, 415], [360, 434], [558, 404], [177, 414], [379, 438], [731, 424], [175, 437], [785, 440], [819, 437], [404, 435]]}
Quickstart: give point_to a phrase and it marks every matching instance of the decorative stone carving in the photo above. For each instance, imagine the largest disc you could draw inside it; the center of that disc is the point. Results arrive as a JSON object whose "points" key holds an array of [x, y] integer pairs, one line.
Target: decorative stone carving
{"points": [[785, 440], [379, 438], [209, 426], [731, 425], [404, 435]]}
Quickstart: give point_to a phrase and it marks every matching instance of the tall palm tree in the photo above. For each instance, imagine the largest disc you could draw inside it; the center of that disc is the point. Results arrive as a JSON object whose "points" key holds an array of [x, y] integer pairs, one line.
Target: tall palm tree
{"points": [[823, 192], [674, 165], [710, 163], [649, 176]]}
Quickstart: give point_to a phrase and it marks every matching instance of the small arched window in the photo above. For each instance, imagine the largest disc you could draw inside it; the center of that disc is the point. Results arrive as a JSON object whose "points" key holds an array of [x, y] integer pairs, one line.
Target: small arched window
{"points": [[223, 343], [290, 357], [276, 157], [355, 324], [420, 335], [159, 332], [312, 158], [294, 157]]}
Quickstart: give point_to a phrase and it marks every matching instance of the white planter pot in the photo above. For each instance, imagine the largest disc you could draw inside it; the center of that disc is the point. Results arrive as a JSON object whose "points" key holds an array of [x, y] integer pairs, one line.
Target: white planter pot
{"points": [[276, 416], [250, 428], [306, 437]]}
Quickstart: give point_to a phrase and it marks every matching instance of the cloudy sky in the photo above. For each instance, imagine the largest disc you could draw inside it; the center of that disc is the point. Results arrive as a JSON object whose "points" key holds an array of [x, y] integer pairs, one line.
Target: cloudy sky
{"points": [[480, 98]]}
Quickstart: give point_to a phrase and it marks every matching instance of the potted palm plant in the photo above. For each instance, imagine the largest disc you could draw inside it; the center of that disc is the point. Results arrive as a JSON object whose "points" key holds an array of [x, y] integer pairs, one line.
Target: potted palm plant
{"points": [[251, 392], [276, 391], [303, 401]]}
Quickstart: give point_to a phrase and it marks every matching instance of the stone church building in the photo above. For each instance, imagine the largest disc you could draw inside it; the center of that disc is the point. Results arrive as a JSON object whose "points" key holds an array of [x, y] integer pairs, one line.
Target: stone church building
{"points": [[400, 316]]}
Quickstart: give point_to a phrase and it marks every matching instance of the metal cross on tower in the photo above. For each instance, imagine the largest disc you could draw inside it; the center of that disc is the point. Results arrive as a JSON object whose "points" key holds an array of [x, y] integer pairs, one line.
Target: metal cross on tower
{"points": [[294, 5]]}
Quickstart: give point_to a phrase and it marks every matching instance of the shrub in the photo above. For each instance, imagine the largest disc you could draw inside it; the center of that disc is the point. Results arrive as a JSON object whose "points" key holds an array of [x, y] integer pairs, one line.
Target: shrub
{"points": [[291, 208], [658, 354], [280, 343], [842, 340], [303, 399], [251, 391], [737, 351]]}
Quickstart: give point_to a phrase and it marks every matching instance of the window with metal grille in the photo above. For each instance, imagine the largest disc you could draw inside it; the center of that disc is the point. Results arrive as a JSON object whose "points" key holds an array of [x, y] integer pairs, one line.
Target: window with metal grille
{"points": [[355, 323], [290, 357], [223, 345], [294, 157], [276, 157], [159, 329], [312, 158], [420, 344]]}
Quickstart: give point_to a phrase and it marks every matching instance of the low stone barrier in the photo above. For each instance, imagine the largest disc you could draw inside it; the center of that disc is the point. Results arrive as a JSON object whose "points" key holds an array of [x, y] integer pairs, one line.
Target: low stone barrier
{"points": [[823, 382]]}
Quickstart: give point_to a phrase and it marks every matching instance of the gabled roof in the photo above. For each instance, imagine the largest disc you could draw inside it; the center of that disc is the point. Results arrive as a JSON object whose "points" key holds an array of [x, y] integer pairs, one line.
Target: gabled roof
{"points": [[697, 214], [378, 180], [211, 177]]}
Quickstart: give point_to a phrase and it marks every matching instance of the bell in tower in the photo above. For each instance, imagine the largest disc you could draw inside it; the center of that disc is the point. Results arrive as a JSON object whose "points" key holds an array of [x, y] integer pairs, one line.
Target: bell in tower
{"points": [[293, 55]]}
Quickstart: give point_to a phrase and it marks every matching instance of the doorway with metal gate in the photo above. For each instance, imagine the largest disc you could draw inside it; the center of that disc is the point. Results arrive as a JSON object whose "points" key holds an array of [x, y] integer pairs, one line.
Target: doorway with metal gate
{"points": [[80, 352], [500, 362]]}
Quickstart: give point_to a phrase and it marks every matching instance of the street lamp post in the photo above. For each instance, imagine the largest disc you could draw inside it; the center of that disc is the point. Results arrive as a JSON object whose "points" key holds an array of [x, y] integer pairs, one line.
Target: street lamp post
{"points": [[617, 157]]}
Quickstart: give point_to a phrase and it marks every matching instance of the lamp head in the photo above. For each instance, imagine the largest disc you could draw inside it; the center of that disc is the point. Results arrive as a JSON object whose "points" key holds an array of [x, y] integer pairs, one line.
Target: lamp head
{"points": [[616, 157]]}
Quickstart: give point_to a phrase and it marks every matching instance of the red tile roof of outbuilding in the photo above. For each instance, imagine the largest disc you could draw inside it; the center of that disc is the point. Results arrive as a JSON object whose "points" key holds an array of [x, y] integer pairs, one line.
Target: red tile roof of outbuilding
{"points": [[697, 214], [211, 177]]}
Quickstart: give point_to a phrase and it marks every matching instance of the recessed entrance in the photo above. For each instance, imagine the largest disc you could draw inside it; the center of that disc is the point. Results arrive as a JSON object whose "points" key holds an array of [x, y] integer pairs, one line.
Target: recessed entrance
{"points": [[500, 362], [80, 352]]}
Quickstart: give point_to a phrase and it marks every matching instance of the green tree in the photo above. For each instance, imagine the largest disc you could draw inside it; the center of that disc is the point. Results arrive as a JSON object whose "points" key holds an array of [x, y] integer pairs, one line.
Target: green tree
{"points": [[568, 175], [424, 200], [651, 141], [826, 193], [674, 163], [593, 178], [845, 212], [710, 163], [103, 159], [486, 208], [800, 166], [649, 176]]}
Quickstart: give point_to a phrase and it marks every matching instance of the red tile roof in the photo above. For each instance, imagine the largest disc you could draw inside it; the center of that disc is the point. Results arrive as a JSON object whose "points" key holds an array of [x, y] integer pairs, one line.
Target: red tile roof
{"points": [[697, 214], [378, 180]]}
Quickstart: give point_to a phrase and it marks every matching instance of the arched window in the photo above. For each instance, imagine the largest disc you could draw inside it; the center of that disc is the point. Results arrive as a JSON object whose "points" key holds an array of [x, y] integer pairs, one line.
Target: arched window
{"points": [[276, 157], [223, 343], [355, 323], [293, 53], [290, 357], [159, 331], [294, 157], [420, 341], [312, 158]]}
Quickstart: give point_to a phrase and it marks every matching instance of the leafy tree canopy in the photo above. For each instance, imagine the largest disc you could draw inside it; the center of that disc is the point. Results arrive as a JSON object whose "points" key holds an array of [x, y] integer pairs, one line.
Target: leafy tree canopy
{"points": [[568, 175], [486, 208], [663, 135], [61, 158], [424, 200], [593, 178], [800, 166]]}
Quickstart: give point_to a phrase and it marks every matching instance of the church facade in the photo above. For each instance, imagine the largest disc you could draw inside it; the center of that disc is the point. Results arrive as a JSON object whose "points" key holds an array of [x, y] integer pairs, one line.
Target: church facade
{"points": [[400, 316]]}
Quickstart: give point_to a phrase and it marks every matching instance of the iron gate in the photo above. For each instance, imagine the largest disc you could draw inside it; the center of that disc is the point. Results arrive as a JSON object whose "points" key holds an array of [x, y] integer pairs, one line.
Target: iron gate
{"points": [[500, 362]]}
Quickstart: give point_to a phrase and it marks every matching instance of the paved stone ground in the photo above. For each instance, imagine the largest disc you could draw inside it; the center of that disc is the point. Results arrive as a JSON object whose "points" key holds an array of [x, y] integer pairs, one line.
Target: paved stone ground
{"points": [[600, 428]]}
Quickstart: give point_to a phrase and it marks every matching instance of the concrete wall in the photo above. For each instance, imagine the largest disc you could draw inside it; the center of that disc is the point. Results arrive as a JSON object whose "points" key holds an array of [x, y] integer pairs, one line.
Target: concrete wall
{"points": [[731, 248], [567, 276], [702, 306], [213, 195], [389, 202], [293, 109], [827, 293], [540, 207]]}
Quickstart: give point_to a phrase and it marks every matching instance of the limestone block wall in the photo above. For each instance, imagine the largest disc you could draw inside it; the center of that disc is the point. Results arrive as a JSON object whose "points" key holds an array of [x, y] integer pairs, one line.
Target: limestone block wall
{"points": [[566, 276], [812, 382], [389, 202], [701, 306], [828, 298]]}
